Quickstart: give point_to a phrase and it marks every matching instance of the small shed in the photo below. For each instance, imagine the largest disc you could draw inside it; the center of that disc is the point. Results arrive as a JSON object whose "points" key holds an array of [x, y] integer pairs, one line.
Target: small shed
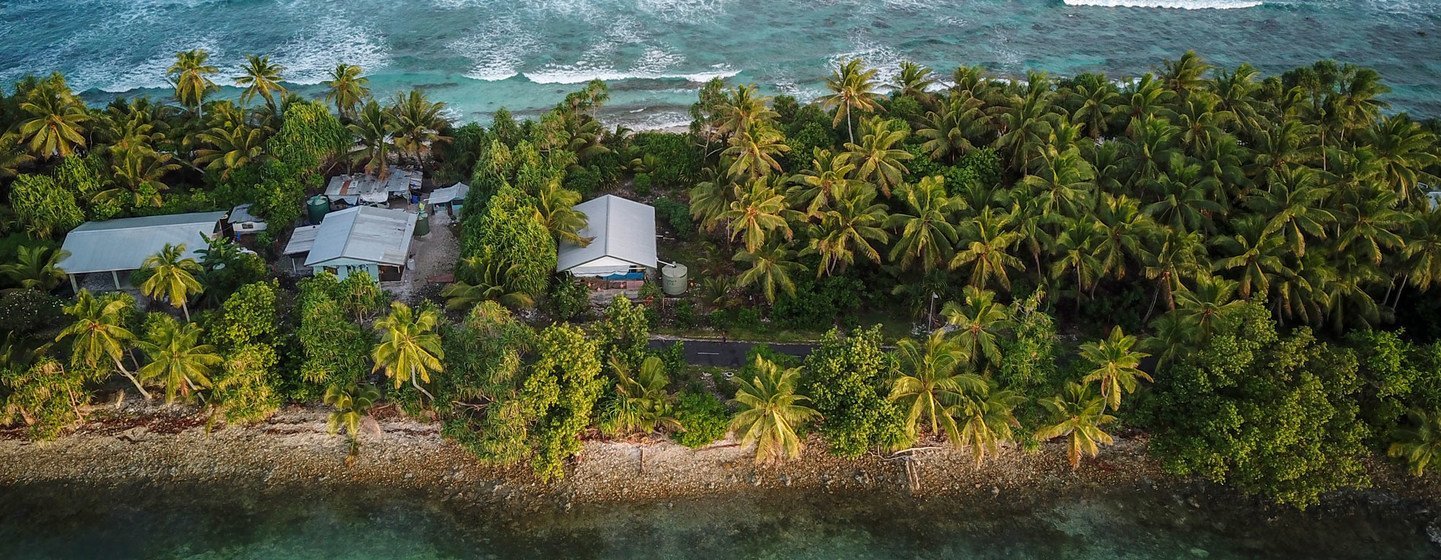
{"points": [[362, 188], [451, 197], [243, 222], [366, 239], [622, 246], [122, 245]]}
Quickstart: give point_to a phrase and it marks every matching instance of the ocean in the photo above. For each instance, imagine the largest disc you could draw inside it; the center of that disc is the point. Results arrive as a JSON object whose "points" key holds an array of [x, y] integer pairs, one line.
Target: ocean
{"points": [[332, 521], [524, 55]]}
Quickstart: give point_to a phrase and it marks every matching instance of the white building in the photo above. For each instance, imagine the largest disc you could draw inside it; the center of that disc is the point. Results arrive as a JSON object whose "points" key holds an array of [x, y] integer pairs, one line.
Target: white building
{"points": [[366, 239], [243, 222], [622, 243], [122, 245]]}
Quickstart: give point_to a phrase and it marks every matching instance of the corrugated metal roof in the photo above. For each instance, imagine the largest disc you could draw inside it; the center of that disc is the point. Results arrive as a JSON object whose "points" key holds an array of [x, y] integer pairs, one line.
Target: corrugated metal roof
{"points": [[241, 214], [124, 244], [301, 240], [447, 194], [363, 233], [619, 228]]}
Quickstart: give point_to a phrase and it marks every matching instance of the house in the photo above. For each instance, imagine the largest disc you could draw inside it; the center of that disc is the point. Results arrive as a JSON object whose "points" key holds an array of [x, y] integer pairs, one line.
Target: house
{"points": [[366, 239], [362, 188], [242, 222], [451, 198], [622, 247], [122, 245]]}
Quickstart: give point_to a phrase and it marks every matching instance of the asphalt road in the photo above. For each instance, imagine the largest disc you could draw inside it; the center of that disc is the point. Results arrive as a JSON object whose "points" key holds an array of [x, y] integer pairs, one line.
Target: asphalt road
{"points": [[726, 353]]}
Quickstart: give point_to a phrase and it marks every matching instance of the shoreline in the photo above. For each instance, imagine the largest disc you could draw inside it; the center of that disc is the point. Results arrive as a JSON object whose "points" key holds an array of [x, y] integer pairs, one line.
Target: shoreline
{"points": [[169, 446]]}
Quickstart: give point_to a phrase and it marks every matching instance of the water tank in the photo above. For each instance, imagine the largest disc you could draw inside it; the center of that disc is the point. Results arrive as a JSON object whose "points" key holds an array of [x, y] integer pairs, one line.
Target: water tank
{"points": [[673, 280], [316, 208], [422, 223]]}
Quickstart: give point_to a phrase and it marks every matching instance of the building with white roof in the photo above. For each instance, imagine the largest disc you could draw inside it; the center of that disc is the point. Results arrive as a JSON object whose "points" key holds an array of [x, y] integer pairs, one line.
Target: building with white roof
{"points": [[622, 246], [122, 245], [366, 239]]}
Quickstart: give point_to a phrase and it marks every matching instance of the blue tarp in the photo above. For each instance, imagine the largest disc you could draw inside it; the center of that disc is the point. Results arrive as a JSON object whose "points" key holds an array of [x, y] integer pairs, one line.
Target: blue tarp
{"points": [[626, 276]]}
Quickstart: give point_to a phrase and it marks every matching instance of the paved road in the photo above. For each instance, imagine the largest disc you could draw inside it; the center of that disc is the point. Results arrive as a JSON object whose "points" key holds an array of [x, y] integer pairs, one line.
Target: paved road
{"points": [[727, 353]]}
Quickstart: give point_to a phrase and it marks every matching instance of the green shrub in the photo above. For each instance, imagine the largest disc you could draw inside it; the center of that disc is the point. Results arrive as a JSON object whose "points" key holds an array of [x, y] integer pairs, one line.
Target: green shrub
{"points": [[703, 419]]}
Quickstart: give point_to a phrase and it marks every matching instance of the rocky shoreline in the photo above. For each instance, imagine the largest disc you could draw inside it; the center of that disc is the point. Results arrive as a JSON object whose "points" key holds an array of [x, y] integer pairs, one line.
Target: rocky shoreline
{"points": [[171, 446]]}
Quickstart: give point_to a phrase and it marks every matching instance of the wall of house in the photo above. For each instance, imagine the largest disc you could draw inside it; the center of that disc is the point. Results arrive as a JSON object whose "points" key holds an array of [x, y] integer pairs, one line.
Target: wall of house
{"points": [[345, 267]]}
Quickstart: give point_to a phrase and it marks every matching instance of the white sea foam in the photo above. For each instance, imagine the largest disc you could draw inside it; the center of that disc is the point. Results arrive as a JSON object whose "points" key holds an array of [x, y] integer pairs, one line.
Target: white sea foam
{"points": [[582, 74], [316, 49], [498, 52], [1169, 4]]}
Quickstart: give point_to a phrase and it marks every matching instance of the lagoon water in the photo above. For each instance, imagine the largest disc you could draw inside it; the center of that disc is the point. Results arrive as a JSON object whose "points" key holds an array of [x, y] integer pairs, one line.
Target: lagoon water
{"points": [[480, 55], [174, 521]]}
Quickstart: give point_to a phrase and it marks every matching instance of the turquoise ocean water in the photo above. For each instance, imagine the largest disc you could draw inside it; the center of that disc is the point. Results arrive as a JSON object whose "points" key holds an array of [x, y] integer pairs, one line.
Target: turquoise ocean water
{"points": [[479, 55]]}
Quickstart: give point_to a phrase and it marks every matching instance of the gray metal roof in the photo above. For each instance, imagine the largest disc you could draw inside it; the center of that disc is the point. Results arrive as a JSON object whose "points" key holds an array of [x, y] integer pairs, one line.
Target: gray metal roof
{"points": [[454, 192], [124, 244], [363, 233], [302, 239], [241, 214], [618, 228]]}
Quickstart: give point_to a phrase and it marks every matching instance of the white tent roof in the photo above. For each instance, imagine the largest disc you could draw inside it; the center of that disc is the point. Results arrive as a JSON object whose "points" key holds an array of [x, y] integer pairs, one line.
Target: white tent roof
{"points": [[620, 229], [448, 194], [363, 233], [124, 244]]}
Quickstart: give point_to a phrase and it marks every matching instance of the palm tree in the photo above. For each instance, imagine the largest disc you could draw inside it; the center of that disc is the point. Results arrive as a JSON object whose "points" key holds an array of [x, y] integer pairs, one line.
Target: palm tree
{"points": [[555, 207], [409, 346], [1064, 184], [1295, 204], [978, 322], [1076, 248], [1173, 257], [190, 74], [1027, 124], [138, 173], [709, 201], [1420, 443], [852, 89], [1370, 227], [642, 404], [228, 149], [1117, 366], [848, 227], [1256, 253], [172, 277], [987, 418], [769, 411], [1400, 147], [352, 405], [931, 379], [262, 77], [35, 268], [99, 333], [1186, 74], [1097, 108], [926, 234], [372, 131], [417, 121], [1078, 415], [985, 243], [346, 88], [756, 213], [877, 159], [12, 158], [743, 109], [1209, 306], [178, 360], [816, 187], [753, 153], [915, 81], [771, 268], [54, 123], [948, 134], [481, 279]]}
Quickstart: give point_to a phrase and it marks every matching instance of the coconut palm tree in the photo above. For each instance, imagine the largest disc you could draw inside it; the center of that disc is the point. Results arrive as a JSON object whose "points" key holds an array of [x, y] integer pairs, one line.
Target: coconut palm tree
{"points": [[744, 108], [409, 346], [190, 75], [709, 201], [1294, 203], [555, 207], [12, 158], [1419, 443], [417, 122], [948, 133], [99, 334], [852, 89], [138, 173], [1076, 256], [756, 213], [352, 405], [915, 81], [178, 360], [986, 419], [1171, 258], [816, 187], [753, 152], [481, 279], [260, 77], [1209, 306], [1078, 415], [1370, 228], [771, 268], [769, 411], [926, 235], [978, 322], [229, 149], [933, 377], [35, 268], [346, 88], [1098, 106], [1064, 184], [1186, 74], [371, 130], [849, 226], [984, 248], [642, 404], [877, 160], [1117, 366], [53, 120], [1028, 125], [172, 277], [1400, 147]]}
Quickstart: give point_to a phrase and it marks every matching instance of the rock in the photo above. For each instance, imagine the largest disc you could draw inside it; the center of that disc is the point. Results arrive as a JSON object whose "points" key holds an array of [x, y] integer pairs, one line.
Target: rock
{"points": [[1433, 530], [1199, 552]]}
